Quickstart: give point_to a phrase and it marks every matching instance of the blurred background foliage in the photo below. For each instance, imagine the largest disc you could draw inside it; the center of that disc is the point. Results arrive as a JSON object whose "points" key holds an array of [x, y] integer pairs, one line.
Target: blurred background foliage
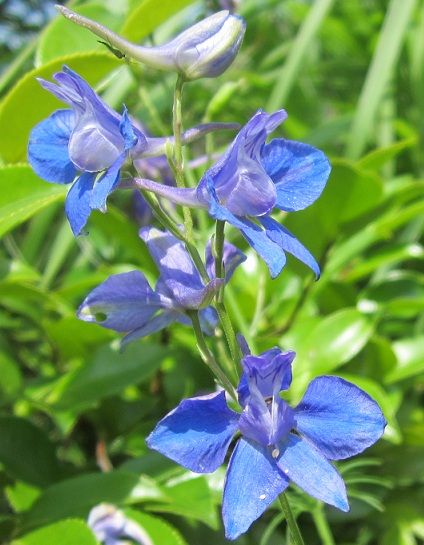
{"points": [[75, 410]]}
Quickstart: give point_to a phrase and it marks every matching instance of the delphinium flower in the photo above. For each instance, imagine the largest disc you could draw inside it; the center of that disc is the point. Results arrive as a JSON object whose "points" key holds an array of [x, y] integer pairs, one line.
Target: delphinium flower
{"points": [[278, 444], [250, 180], [126, 303], [205, 50], [87, 145], [112, 527]]}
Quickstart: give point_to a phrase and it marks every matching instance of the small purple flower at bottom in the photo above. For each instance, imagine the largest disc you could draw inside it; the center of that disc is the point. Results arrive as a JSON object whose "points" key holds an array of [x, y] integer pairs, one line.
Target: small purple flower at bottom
{"points": [[278, 444], [126, 303], [112, 527]]}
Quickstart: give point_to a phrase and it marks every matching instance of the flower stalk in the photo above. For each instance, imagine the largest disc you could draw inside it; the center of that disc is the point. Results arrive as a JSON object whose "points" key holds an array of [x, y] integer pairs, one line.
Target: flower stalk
{"points": [[209, 358], [295, 534]]}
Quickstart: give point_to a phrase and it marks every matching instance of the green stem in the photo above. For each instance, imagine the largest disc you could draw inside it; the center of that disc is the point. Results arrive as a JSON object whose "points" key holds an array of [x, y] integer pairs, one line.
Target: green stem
{"points": [[219, 248], [322, 526], [226, 324], [177, 124], [208, 357], [296, 536], [162, 216]]}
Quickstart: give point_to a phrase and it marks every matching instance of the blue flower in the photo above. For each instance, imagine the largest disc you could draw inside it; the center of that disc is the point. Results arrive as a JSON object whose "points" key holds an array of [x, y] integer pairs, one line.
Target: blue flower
{"points": [[86, 145], [251, 179], [126, 302], [278, 444], [112, 527]]}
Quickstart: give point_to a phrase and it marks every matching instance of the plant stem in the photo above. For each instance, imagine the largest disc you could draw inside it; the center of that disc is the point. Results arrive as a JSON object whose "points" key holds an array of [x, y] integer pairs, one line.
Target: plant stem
{"points": [[322, 526], [162, 216], [208, 357], [296, 536], [219, 248], [177, 124], [226, 324]]}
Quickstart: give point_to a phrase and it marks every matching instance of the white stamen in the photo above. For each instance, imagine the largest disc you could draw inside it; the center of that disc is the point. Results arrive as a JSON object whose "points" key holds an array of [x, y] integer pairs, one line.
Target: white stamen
{"points": [[275, 453], [262, 496]]}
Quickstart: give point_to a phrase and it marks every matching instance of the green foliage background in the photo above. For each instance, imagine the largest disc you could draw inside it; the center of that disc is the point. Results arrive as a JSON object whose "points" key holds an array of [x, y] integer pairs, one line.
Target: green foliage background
{"points": [[75, 411]]}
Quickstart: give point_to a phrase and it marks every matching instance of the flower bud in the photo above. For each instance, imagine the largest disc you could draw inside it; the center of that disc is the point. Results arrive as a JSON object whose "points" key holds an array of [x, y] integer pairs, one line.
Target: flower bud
{"points": [[204, 50]]}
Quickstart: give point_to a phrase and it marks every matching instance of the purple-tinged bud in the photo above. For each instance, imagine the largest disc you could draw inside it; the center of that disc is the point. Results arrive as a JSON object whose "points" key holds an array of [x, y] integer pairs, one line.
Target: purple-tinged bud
{"points": [[205, 50]]}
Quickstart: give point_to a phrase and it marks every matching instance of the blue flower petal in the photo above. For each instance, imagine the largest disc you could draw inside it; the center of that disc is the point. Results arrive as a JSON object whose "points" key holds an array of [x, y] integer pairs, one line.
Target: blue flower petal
{"points": [[271, 253], [197, 433], [253, 482], [208, 320], [306, 466], [127, 131], [123, 302], [171, 258], [188, 297], [106, 184], [339, 418], [155, 324], [48, 148], [298, 170], [286, 240], [77, 204]]}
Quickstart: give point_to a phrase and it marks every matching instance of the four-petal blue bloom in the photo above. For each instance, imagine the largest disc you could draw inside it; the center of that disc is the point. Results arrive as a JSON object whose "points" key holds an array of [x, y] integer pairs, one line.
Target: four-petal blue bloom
{"points": [[125, 302], [278, 444], [86, 145], [251, 179]]}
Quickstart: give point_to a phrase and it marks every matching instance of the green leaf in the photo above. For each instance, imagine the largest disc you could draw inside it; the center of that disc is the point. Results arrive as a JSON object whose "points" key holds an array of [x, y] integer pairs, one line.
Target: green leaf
{"points": [[159, 531], [189, 497], [21, 496], [410, 356], [75, 497], [23, 194], [335, 340], [26, 452], [65, 532], [108, 373], [27, 102], [148, 15], [380, 156], [300, 47], [10, 378], [388, 48], [62, 37], [350, 192]]}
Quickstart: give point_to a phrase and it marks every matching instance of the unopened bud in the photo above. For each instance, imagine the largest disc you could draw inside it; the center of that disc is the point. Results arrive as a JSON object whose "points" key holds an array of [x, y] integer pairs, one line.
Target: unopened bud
{"points": [[205, 50]]}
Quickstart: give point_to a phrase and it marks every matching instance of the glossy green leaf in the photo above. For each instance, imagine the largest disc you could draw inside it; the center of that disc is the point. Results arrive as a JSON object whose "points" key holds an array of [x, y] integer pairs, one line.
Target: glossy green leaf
{"points": [[21, 496], [159, 531], [10, 378], [380, 156], [62, 37], [326, 346], [65, 532], [23, 194], [27, 102], [27, 453], [75, 497], [335, 340], [148, 15], [191, 498], [109, 372], [410, 355]]}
